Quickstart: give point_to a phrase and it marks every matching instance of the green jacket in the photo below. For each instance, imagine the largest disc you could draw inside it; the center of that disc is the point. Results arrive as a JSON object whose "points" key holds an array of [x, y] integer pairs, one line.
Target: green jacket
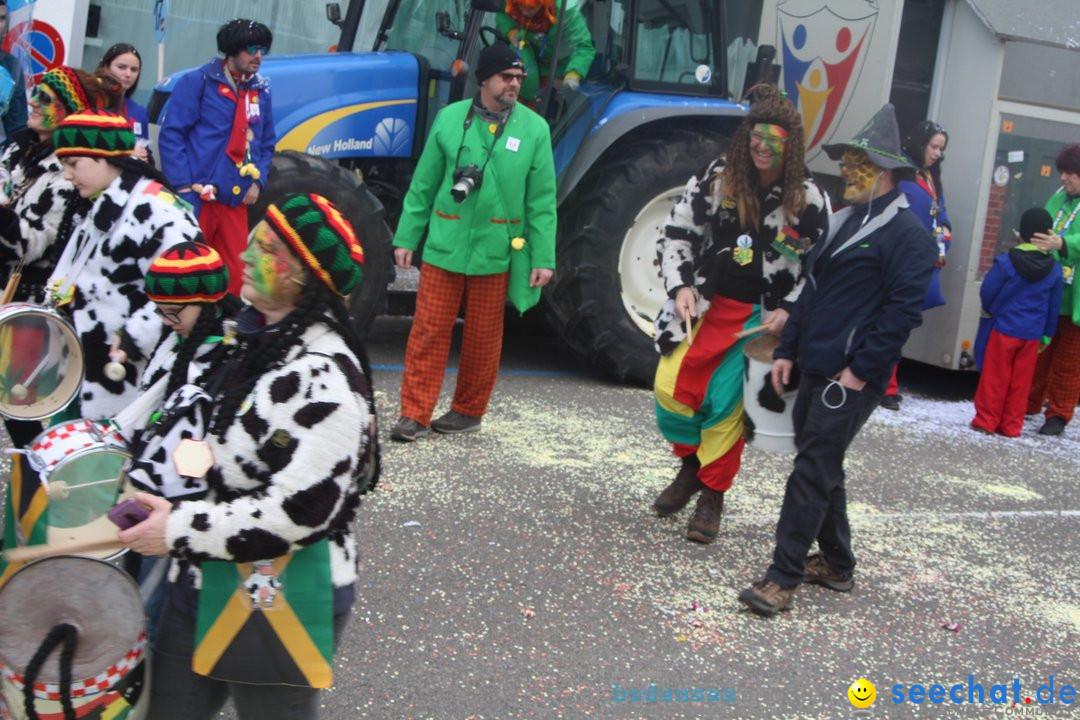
{"points": [[1061, 208], [576, 51], [516, 197]]}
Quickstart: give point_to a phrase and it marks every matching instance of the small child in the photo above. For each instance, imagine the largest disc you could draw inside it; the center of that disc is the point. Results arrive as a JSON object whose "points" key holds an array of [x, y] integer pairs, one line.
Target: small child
{"points": [[1020, 297]]}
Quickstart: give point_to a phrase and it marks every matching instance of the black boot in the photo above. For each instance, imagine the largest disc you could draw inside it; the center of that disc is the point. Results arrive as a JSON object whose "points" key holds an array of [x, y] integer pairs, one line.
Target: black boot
{"points": [[705, 522], [675, 496]]}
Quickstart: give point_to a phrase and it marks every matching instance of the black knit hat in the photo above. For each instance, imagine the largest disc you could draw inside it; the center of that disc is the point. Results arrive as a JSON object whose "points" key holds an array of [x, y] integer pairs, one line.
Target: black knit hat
{"points": [[187, 273], [880, 139], [1035, 220], [496, 58], [321, 237]]}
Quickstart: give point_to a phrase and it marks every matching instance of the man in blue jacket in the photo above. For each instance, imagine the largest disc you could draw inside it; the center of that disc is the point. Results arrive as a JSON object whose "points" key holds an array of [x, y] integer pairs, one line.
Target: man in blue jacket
{"points": [[217, 139], [866, 282]]}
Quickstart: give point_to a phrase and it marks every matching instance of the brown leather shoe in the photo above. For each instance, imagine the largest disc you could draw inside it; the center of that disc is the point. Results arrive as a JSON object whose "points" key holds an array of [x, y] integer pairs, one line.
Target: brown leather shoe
{"points": [[819, 572], [767, 598], [674, 497], [705, 522]]}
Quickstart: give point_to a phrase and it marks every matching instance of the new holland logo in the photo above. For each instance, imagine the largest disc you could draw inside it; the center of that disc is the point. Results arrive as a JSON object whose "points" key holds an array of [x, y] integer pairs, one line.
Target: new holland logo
{"points": [[823, 44]]}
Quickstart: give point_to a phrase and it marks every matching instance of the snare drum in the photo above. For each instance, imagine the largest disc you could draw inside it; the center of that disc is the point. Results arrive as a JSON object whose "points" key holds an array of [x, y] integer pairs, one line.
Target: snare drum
{"points": [[82, 465], [109, 671], [769, 422], [41, 361]]}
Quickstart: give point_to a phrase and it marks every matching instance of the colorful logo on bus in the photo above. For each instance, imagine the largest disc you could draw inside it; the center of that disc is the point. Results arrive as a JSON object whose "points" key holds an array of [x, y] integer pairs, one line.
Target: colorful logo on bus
{"points": [[39, 44], [823, 45]]}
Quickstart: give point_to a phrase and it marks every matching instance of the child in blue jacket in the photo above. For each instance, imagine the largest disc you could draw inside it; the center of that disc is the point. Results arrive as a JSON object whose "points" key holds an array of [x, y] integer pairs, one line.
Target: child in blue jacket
{"points": [[1020, 296]]}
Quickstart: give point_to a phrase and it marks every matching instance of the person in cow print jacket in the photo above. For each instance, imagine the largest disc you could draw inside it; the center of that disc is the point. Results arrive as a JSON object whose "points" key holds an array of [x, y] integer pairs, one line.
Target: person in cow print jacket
{"points": [[731, 248], [293, 440], [99, 278]]}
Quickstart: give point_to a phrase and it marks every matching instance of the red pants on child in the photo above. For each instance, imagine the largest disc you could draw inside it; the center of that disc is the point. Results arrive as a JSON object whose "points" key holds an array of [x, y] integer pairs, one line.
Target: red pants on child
{"points": [[1004, 384]]}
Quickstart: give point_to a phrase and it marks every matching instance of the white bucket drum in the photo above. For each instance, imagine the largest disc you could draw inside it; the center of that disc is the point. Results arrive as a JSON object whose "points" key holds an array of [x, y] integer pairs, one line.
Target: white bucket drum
{"points": [[41, 362], [109, 673], [768, 422], [82, 465]]}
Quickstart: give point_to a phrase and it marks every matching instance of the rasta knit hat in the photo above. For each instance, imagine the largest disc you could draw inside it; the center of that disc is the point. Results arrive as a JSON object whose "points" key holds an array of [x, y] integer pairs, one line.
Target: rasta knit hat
{"points": [[67, 87], [495, 58], [321, 237], [187, 273], [94, 134]]}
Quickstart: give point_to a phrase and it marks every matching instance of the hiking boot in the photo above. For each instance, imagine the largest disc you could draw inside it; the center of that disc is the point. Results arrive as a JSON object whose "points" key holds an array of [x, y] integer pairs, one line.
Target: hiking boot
{"points": [[767, 598], [705, 522], [891, 402], [674, 497], [819, 572], [455, 422], [1053, 426], [408, 430]]}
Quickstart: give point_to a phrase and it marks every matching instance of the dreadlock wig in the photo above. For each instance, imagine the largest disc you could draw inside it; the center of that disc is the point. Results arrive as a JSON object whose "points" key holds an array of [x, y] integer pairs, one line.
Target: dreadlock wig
{"points": [[238, 34], [740, 177]]}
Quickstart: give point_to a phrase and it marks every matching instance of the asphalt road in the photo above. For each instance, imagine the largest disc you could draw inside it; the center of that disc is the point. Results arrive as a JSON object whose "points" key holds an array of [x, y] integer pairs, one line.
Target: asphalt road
{"points": [[519, 572]]}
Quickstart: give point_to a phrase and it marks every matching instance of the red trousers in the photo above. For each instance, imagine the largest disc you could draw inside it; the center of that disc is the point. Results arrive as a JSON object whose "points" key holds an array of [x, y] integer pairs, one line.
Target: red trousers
{"points": [[438, 300], [226, 230], [1057, 374], [1004, 384], [893, 388]]}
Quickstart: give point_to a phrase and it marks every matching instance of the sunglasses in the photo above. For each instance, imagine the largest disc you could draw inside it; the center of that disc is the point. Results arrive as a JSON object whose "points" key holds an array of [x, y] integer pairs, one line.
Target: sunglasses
{"points": [[169, 316], [508, 77], [42, 95], [256, 49]]}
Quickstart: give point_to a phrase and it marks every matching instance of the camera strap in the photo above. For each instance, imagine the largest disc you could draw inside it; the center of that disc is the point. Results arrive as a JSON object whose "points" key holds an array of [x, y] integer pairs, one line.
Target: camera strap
{"points": [[500, 126]]}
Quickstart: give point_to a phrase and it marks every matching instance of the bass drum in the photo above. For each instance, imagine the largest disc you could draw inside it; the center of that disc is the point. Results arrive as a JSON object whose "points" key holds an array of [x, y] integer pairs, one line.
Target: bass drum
{"points": [[41, 362], [109, 672]]}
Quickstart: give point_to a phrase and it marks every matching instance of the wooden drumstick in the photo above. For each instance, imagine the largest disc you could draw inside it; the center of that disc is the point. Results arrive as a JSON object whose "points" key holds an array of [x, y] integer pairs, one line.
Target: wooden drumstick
{"points": [[30, 553], [747, 333], [689, 330], [12, 284]]}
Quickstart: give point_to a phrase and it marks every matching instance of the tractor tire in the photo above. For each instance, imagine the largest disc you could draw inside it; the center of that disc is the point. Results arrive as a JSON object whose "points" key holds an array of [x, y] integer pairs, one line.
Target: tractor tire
{"points": [[607, 287], [296, 172]]}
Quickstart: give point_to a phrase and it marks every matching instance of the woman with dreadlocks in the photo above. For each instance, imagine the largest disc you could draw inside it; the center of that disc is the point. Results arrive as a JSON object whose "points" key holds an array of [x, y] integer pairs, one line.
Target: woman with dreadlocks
{"points": [[730, 252], [267, 559]]}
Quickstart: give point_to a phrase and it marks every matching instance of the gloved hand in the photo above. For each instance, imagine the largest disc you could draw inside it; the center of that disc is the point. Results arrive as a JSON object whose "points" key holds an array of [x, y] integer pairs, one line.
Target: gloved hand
{"points": [[572, 80]]}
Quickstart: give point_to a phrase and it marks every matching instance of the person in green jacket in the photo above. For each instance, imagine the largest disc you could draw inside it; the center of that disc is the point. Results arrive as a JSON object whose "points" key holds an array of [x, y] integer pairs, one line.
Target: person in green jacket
{"points": [[1057, 371], [484, 189], [531, 26]]}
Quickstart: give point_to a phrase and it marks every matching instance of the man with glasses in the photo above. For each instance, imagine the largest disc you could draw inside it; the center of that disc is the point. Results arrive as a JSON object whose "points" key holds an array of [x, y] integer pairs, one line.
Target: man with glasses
{"points": [[217, 139], [484, 189]]}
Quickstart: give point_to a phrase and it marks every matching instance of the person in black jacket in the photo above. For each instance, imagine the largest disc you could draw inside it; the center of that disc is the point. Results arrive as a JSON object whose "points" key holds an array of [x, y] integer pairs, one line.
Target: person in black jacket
{"points": [[867, 281]]}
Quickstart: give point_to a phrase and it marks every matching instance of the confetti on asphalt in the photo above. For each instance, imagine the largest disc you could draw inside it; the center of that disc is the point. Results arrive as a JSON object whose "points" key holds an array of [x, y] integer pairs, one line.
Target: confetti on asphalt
{"points": [[952, 627]]}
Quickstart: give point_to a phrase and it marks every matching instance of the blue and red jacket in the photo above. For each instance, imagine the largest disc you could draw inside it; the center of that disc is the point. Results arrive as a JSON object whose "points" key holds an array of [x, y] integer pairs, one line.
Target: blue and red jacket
{"points": [[196, 133]]}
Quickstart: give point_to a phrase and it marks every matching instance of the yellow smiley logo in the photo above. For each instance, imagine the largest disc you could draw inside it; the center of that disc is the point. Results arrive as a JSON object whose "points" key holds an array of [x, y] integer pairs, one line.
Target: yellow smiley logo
{"points": [[862, 693]]}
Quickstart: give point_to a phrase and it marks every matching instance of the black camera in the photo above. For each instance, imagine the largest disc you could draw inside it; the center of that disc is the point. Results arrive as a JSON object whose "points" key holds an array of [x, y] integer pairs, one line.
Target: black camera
{"points": [[465, 180]]}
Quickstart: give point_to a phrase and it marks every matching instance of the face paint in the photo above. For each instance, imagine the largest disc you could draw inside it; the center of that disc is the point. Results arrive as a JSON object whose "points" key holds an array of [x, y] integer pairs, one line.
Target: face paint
{"points": [[767, 144], [269, 261], [47, 107], [859, 174]]}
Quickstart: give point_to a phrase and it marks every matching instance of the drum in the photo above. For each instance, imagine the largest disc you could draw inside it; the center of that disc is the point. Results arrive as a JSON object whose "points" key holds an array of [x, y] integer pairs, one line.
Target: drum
{"points": [[768, 423], [41, 362], [82, 465], [108, 670]]}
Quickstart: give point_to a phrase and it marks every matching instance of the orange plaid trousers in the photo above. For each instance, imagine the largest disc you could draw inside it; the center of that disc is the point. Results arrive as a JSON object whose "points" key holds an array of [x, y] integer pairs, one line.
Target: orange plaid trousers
{"points": [[438, 300], [1057, 373]]}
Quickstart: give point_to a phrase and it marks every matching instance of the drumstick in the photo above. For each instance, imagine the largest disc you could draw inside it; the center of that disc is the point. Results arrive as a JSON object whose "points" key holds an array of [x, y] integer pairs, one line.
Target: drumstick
{"points": [[747, 333], [12, 284], [689, 330], [19, 390], [30, 553]]}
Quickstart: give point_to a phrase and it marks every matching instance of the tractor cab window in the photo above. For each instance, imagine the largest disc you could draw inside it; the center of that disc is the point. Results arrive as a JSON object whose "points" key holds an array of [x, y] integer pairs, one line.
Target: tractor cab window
{"points": [[413, 27], [675, 46]]}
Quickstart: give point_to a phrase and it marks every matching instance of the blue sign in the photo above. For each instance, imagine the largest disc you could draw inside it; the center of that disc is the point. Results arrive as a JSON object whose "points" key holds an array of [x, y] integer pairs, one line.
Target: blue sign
{"points": [[161, 12]]}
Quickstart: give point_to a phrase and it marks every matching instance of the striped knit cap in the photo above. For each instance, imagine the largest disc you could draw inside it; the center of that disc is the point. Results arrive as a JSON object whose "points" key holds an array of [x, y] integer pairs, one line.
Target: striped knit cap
{"points": [[67, 88], [186, 273], [323, 239], [94, 134]]}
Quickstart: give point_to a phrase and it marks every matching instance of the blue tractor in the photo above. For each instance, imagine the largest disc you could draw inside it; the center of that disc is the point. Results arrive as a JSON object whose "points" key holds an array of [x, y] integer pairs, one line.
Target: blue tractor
{"points": [[651, 110]]}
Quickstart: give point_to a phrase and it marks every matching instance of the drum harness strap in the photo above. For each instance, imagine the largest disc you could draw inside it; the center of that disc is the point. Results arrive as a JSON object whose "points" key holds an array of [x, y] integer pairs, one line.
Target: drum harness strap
{"points": [[68, 634]]}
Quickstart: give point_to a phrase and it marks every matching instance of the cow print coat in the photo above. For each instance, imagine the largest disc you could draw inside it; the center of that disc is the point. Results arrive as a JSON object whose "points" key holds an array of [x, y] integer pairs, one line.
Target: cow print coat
{"points": [[37, 195], [129, 225], [292, 467], [699, 242]]}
